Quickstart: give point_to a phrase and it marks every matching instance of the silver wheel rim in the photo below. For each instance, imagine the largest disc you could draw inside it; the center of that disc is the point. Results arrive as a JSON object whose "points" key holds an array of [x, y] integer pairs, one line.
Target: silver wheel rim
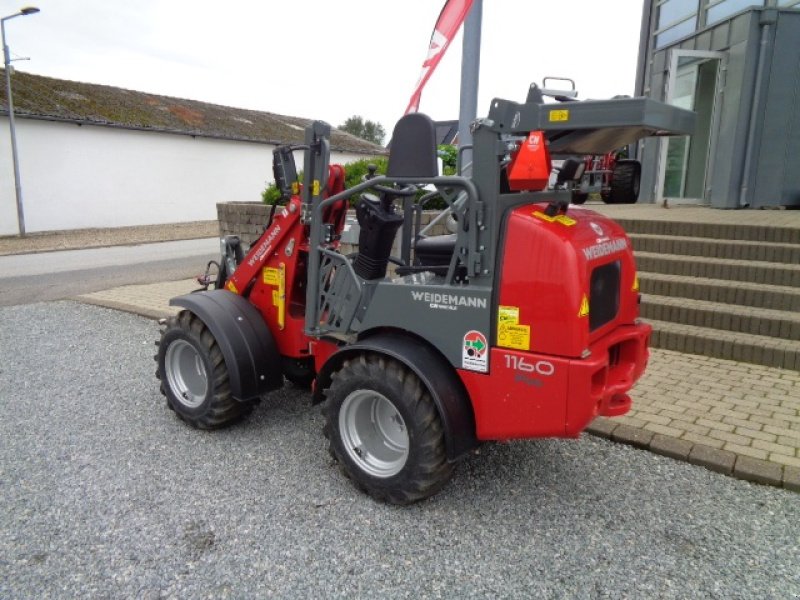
{"points": [[186, 373], [373, 433]]}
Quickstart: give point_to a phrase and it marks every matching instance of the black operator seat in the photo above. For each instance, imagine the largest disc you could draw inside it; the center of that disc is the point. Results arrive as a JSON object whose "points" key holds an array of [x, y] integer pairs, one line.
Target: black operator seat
{"points": [[413, 148], [412, 155], [435, 250]]}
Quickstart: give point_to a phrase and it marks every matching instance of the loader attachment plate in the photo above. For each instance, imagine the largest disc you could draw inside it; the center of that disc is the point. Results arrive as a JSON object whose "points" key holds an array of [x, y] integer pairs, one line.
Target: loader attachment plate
{"points": [[592, 126]]}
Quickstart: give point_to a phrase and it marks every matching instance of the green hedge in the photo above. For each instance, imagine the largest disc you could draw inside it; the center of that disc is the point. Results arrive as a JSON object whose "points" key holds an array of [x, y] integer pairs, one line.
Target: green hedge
{"points": [[354, 173]]}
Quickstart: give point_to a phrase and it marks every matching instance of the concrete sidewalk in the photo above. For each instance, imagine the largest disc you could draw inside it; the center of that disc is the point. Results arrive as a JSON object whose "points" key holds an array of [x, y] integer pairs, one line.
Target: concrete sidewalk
{"points": [[735, 418], [80, 239]]}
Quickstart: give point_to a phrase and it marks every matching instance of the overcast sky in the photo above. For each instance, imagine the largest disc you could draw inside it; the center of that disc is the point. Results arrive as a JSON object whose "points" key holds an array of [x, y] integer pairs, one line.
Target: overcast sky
{"points": [[324, 59]]}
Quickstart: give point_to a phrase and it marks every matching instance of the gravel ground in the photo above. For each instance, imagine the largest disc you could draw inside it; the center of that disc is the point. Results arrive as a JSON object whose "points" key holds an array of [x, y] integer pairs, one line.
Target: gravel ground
{"points": [[106, 494], [78, 239]]}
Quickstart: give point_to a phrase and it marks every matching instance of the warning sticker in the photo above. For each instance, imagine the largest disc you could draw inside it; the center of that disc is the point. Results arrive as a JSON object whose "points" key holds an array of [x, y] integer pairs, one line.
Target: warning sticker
{"points": [[475, 352], [508, 314], [563, 219], [559, 115], [512, 335], [271, 276], [584, 309]]}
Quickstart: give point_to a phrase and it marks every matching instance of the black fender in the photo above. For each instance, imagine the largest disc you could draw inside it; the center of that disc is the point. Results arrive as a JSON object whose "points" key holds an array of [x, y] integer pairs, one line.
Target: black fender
{"points": [[247, 345], [436, 373]]}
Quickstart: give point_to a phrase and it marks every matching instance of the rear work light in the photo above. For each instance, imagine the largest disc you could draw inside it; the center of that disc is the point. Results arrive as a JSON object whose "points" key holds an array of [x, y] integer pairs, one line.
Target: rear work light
{"points": [[604, 294]]}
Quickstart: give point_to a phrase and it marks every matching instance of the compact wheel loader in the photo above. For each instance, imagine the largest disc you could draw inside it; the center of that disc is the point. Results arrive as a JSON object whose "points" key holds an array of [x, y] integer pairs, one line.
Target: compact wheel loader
{"points": [[521, 324]]}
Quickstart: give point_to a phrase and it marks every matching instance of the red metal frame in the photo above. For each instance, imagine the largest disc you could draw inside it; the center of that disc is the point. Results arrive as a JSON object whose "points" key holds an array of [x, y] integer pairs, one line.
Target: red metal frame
{"points": [[273, 273], [600, 171]]}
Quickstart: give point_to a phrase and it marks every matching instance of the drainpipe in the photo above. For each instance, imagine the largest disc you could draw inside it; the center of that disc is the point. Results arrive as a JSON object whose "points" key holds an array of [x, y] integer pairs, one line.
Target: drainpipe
{"points": [[768, 17]]}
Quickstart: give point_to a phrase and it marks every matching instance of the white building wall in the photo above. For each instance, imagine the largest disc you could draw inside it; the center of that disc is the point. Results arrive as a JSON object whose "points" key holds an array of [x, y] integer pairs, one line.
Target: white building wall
{"points": [[79, 176]]}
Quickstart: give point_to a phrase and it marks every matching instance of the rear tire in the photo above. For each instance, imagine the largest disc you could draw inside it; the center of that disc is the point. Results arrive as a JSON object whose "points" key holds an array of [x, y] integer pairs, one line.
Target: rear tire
{"points": [[193, 375], [625, 182], [384, 430], [579, 197]]}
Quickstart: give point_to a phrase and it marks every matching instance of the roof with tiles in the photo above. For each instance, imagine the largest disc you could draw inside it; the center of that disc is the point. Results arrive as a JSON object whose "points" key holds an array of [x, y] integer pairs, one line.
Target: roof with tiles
{"points": [[87, 103]]}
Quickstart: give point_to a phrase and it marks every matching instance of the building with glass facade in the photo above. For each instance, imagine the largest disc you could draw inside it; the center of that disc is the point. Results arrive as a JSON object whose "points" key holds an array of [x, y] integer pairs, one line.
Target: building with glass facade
{"points": [[736, 63]]}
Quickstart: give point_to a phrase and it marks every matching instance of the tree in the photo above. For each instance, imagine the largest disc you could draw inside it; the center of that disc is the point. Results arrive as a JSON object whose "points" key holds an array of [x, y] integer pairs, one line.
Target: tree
{"points": [[449, 155], [371, 131]]}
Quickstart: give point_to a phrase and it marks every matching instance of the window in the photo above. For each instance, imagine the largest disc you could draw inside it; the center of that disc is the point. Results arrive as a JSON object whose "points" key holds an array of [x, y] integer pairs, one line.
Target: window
{"points": [[671, 11], [676, 32], [726, 8], [676, 19]]}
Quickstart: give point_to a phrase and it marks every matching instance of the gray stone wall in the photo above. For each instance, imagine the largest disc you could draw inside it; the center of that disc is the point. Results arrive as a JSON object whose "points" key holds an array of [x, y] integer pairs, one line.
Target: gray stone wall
{"points": [[245, 219], [248, 219]]}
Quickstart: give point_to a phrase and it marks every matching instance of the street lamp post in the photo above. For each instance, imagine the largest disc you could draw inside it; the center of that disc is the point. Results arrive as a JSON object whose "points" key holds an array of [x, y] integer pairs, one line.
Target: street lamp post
{"points": [[30, 10]]}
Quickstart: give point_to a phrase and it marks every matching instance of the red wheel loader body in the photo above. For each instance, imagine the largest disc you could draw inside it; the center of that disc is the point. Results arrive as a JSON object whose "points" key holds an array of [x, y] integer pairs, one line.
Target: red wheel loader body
{"points": [[521, 324]]}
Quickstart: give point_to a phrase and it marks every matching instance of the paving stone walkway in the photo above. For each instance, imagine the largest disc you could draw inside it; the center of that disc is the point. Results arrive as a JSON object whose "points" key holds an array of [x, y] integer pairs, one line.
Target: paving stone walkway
{"points": [[732, 417], [149, 300]]}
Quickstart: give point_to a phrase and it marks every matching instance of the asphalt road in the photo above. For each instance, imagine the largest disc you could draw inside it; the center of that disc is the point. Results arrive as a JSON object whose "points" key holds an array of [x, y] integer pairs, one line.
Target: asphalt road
{"points": [[47, 276], [106, 494]]}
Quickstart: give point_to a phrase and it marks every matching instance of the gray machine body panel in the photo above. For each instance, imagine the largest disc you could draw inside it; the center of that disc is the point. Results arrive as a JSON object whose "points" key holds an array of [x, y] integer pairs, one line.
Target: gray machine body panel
{"points": [[440, 314], [592, 126]]}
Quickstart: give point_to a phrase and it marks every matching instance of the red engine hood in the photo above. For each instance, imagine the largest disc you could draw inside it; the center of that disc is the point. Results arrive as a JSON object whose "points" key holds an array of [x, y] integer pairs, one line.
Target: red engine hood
{"points": [[546, 280]]}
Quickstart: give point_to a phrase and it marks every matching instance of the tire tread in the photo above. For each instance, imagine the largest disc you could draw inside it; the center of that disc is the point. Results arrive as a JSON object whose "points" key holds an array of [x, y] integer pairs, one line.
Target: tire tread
{"points": [[420, 479], [223, 408]]}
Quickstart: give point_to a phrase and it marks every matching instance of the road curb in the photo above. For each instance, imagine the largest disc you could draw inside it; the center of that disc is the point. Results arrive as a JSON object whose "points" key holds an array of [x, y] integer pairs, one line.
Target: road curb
{"points": [[140, 311], [719, 461]]}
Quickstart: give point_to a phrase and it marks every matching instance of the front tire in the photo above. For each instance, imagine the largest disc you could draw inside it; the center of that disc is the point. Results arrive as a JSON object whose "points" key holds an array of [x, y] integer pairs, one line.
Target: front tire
{"points": [[193, 374], [625, 182], [384, 430]]}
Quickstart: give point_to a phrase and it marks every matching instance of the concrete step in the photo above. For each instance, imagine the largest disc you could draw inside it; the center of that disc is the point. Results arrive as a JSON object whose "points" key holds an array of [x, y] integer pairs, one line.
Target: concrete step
{"points": [[720, 268], [719, 231], [727, 317], [722, 284], [712, 248], [743, 347], [755, 295]]}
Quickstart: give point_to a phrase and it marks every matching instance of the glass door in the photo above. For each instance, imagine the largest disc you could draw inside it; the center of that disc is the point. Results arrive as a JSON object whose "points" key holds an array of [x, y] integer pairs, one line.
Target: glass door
{"points": [[693, 83]]}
